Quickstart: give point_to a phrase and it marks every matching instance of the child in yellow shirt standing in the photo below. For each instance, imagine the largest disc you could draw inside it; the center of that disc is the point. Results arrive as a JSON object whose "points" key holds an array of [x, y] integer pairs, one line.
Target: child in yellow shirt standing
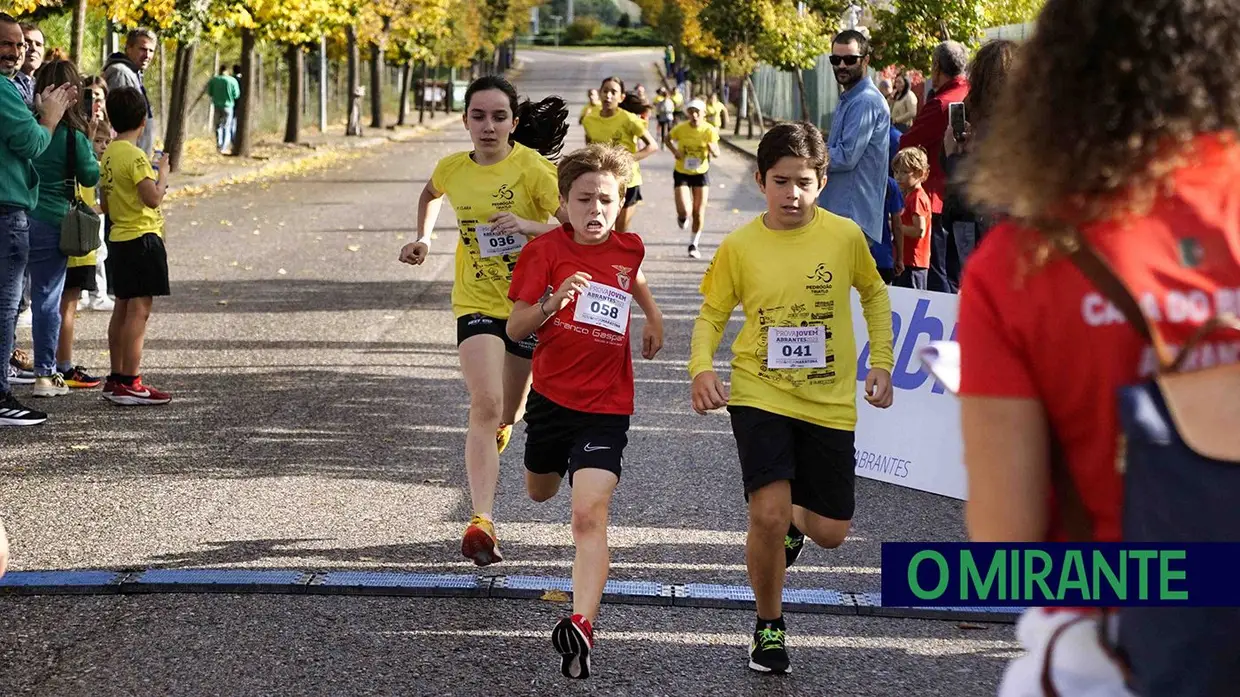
{"points": [[693, 143], [793, 397], [133, 189], [81, 277]]}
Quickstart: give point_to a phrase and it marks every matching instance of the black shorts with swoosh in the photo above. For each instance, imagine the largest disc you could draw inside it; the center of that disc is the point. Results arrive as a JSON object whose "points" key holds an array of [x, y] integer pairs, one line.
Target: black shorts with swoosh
{"points": [[559, 440]]}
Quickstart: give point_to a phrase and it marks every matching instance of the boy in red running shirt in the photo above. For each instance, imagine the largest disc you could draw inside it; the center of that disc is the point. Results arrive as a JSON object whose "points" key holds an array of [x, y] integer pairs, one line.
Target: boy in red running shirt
{"points": [[573, 286], [912, 240]]}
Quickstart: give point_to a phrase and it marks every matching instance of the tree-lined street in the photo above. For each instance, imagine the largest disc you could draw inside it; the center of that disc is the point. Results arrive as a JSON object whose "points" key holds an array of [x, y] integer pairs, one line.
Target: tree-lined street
{"points": [[318, 424]]}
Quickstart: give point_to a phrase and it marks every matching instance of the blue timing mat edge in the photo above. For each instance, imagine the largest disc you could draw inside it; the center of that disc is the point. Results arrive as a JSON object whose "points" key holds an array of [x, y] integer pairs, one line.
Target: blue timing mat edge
{"points": [[431, 585]]}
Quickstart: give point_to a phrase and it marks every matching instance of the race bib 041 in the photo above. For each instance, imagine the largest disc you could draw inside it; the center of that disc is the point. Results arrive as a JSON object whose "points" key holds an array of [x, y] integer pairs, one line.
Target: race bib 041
{"points": [[693, 163], [603, 306], [493, 243], [796, 347]]}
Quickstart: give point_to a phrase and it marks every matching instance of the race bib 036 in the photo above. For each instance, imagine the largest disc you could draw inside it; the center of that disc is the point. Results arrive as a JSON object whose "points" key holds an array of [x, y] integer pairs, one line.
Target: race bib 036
{"points": [[493, 243]]}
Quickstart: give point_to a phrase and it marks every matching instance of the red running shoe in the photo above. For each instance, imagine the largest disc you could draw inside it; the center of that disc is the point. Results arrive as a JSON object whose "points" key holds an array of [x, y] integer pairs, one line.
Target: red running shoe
{"points": [[573, 638], [136, 395]]}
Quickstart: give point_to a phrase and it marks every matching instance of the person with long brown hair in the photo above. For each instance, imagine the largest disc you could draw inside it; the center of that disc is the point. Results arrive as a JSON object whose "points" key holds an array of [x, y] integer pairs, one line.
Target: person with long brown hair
{"points": [[988, 74], [1137, 165], [69, 158]]}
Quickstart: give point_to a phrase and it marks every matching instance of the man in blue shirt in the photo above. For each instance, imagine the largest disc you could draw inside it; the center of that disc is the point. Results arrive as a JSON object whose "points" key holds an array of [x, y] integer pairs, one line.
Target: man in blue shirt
{"points": [[859, 140]]}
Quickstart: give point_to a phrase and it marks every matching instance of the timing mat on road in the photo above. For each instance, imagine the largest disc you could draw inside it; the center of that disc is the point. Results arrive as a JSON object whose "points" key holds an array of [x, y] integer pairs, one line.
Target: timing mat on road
{"points": [[293, 582]]}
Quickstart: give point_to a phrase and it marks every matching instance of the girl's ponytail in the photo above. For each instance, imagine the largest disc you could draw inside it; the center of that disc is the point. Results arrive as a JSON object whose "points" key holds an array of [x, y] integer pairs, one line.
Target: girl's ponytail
{"points": [[542, 126]]}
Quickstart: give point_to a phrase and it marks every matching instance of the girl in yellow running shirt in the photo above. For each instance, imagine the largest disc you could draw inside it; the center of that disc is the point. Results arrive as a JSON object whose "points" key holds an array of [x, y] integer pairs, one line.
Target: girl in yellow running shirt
{"points": [[716, 114], [592, 105], [503, 193], [611, 125], [694, 143]]}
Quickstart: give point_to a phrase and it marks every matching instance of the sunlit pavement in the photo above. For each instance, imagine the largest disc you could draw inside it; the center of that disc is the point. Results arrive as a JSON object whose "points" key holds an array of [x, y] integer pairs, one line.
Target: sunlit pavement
{"points": [[317, 424]]}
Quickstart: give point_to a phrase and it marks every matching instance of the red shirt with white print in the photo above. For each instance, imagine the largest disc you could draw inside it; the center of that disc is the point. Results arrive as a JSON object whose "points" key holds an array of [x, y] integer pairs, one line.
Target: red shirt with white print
{"points": [[1043, 332], [581, 361]]}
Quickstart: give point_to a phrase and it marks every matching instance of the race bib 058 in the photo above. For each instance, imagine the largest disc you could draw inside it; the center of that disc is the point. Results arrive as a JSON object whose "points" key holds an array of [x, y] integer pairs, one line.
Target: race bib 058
{"points": [[605, 307]]}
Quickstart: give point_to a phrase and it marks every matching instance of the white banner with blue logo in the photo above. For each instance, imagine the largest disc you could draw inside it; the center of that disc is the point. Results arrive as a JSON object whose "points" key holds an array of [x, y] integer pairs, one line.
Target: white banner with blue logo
{"points": [[916, 442]]}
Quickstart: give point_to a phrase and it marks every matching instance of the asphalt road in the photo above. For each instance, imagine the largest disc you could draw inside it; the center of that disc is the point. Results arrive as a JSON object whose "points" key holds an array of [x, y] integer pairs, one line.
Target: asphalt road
{"points": [[318, 423]]}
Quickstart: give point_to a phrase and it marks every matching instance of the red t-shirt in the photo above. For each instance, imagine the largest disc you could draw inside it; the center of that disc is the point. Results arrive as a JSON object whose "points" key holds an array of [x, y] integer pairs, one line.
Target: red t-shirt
{"points": [[578, 363], [917, 252], [1046, 334]]}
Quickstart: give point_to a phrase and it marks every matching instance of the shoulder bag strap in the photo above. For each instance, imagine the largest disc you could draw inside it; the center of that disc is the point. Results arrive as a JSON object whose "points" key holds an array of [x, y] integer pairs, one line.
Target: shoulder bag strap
{"points": [[71, 164]]}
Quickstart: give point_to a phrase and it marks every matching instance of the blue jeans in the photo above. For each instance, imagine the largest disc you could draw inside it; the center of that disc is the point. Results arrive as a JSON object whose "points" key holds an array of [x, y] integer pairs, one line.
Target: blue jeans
{"points": [[47, 282], [14, 253], [225, 128]]}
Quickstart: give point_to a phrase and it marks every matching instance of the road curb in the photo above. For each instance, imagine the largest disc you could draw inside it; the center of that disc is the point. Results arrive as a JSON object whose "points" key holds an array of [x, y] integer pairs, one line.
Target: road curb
{"points": [[435, 585], [738, 149]]}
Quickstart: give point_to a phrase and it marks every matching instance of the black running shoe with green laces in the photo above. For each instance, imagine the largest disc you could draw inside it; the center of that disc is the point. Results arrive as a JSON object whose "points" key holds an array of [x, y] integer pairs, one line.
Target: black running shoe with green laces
{"points": [[794, 542], [767, 652]]}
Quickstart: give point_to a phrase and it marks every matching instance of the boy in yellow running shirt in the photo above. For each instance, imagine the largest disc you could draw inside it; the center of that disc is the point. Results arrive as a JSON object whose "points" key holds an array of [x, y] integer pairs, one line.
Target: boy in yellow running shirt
{"points": [[793, 399], [694, 143]]}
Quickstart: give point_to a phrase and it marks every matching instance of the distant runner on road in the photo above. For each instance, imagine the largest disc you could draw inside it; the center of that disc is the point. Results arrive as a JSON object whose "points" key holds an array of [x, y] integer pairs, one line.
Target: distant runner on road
{"points": [[611, 125], [694, 143], [503, 192]]}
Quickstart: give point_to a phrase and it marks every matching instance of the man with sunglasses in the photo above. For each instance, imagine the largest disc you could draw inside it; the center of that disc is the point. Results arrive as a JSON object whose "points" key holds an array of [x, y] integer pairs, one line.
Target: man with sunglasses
{"points": [[859, 141], [947, 76]]}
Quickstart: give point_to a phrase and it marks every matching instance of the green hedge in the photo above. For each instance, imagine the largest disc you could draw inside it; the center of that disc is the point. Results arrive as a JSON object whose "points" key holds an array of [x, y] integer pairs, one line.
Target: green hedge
{"points": [[609, 36]]}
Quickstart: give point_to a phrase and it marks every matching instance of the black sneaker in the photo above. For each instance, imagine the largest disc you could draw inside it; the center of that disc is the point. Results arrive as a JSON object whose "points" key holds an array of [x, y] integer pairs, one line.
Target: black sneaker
{"points": [[13, 413], [767, 653], [794, 542], [573, 638]]}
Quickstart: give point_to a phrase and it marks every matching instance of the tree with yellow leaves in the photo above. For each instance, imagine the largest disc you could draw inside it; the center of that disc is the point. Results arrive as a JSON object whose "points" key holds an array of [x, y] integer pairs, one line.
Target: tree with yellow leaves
{"points": [[182, 21]]}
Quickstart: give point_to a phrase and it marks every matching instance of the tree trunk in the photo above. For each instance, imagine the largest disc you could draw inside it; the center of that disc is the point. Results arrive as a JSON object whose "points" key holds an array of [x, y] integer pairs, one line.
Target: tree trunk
{"points": [[163, 87], [422, 93], [355, 118], [174, 138], [406, 74], [296, 71], [805, 116], [757, 106], [376, 82], [248, 103], [79, 31]]}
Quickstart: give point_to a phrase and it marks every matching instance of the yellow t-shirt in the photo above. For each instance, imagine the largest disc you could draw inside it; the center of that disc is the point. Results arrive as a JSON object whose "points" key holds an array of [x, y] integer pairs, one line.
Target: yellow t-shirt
{"points": [[621, 128], [87, 194], [714, 112], [124, 166], [792, 279], [694, 145], [587, 110], [524, 184]]}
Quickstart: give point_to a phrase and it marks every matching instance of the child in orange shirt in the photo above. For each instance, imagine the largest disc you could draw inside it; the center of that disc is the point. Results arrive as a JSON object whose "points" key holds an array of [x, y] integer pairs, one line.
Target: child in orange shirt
{"points": [[912, 238]]}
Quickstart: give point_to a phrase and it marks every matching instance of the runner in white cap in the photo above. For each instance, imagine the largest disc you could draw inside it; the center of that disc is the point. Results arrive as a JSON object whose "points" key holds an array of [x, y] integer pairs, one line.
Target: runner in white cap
{"points": [[693, 143]]}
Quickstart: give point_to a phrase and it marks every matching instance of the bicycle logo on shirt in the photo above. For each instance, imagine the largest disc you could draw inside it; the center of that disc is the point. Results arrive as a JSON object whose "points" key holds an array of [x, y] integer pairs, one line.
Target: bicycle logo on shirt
{"points": [[504, 193]]}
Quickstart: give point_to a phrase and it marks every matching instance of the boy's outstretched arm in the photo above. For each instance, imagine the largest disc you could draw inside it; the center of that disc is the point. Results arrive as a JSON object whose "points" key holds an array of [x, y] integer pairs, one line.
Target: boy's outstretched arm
{"points": [[720, 299], [652, 333]]}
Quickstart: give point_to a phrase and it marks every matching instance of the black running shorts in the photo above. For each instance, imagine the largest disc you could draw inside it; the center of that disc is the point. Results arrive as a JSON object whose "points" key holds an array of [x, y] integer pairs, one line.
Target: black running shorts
{"points": [[819, 462], [475, 324], [560, 440], [693, 181], [139, 267], [82, 278], [632, 195]]}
